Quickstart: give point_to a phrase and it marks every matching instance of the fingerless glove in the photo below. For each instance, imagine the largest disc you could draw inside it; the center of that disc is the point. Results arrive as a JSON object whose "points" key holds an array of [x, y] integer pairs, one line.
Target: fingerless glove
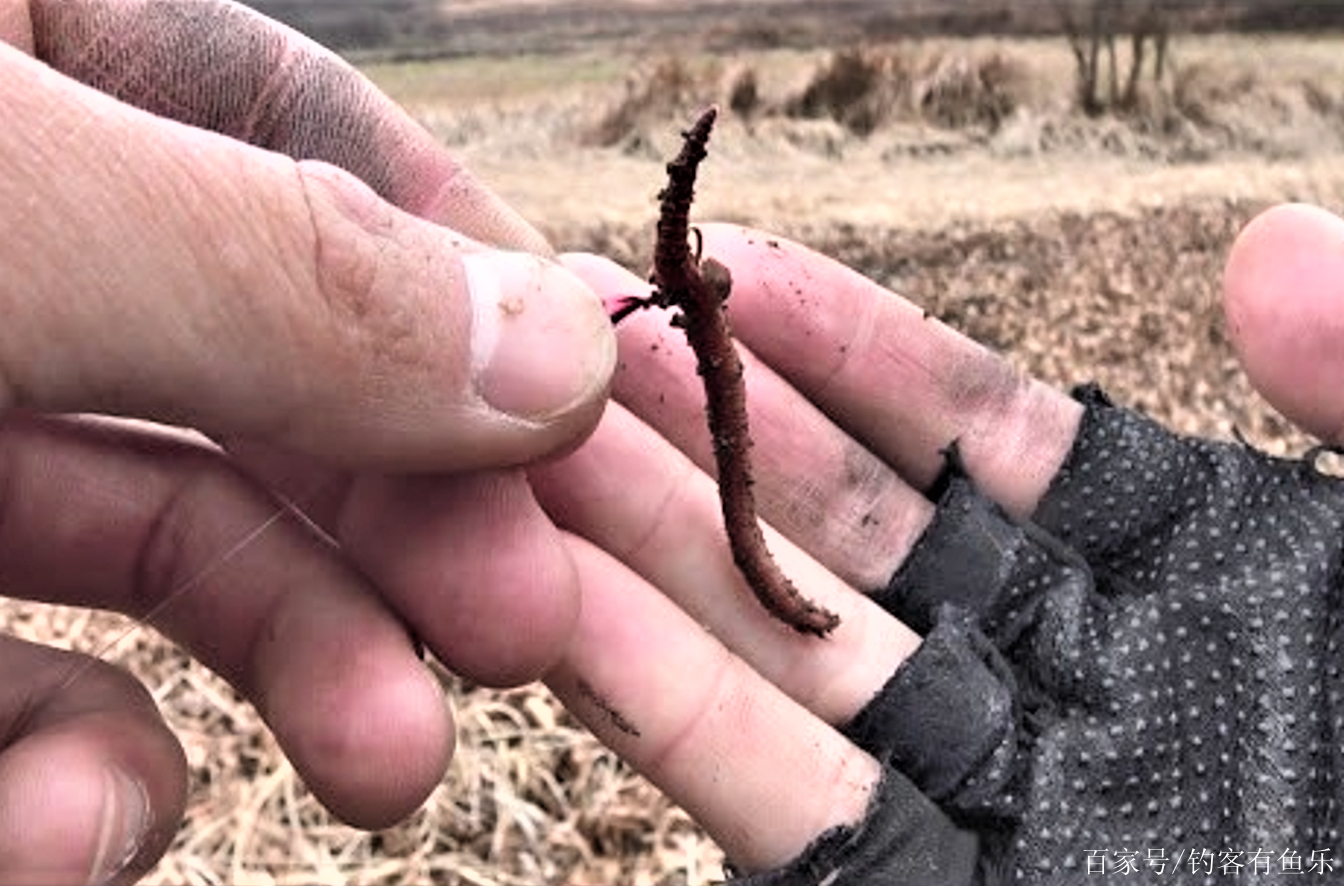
{"points": [[1140, 684]]}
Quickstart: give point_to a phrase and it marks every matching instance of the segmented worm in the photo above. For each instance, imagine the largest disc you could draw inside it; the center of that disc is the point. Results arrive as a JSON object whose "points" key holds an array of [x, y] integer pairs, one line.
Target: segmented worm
{"points": [[700, 289]]}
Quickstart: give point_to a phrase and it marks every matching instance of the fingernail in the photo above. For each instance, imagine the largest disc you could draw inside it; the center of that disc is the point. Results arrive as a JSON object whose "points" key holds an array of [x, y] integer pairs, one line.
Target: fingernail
{"points": [[541, 343], [125, 822]]}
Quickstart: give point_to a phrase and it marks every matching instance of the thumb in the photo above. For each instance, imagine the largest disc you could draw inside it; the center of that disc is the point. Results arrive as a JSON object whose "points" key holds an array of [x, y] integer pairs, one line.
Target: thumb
{"points": [[1283, 293], [157, 270], [92, 782]]}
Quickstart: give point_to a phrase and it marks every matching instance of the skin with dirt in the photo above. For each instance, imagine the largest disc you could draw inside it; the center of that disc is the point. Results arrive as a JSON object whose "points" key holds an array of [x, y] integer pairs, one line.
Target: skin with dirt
{"points": [[700, 289]]}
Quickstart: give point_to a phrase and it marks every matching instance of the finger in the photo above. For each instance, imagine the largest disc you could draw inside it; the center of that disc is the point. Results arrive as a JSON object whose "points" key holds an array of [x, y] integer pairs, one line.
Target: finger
{"points": [[171, 273], [92, 782], [96, 514], [433, 545], [469, 560], [651, 683], [472, 563], [824, 491], [634, 495], [255, 80], [900, 382], [1283, 293]]}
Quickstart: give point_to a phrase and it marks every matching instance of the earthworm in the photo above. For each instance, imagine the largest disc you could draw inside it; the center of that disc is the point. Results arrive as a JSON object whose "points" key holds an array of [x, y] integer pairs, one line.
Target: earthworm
{"points": [[700, 290]]}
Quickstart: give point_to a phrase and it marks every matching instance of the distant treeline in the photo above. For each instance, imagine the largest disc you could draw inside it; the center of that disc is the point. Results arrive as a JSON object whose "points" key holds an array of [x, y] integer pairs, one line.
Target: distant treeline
{"points": [[1041, 17], [442, 28], [356, 25]]}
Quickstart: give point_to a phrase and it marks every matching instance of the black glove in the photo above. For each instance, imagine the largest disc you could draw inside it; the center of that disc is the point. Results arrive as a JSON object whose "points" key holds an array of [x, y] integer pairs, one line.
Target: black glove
{"points": [[1143, 682]]}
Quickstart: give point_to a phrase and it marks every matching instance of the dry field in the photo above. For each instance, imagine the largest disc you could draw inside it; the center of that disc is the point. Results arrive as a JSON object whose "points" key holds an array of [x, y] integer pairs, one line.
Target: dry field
{"points": [[956, 172]]}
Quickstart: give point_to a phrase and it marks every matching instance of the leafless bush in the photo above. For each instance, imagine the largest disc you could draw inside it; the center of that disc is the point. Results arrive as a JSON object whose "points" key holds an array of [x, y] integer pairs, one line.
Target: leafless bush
{"points": [[744, 94], [1093, 27], [958, 91], [858, 88], [670, 89], [864, 88], [653, 95], [1198, 91]]}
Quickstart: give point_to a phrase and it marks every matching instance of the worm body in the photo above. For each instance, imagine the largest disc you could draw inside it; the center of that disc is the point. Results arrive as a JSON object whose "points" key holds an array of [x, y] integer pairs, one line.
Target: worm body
{"points": [[700, 290]]}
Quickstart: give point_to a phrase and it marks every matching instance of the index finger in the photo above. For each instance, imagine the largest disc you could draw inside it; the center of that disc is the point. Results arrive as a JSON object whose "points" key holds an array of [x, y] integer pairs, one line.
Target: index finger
{"points": [[898, 380], [218, 65]]}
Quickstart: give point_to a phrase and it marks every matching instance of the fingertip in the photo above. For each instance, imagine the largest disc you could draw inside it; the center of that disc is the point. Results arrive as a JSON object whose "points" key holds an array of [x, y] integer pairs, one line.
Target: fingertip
{"points": [[88, 802], [538, 346], [372, 733], [1283, 297], [542, 348], [417, 349], [337, 679]]}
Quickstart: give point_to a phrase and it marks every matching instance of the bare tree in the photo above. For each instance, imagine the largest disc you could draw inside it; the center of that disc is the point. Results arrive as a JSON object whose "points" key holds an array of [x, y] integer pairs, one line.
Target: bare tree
{"points": [[1092, 26]]}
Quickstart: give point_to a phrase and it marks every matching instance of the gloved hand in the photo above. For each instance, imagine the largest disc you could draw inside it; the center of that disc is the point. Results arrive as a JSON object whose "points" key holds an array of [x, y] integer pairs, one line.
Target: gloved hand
{"points": [[1124, 649], [1140, 674]]}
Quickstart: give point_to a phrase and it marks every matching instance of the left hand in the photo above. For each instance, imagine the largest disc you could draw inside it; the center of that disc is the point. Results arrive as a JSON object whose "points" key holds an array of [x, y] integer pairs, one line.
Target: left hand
{"points": [[854, 396]]}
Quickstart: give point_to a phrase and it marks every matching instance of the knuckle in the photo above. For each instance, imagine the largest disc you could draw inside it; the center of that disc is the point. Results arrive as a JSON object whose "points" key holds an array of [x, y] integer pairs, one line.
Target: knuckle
{"points": [[342, 214], [981, 383], [355, 251], [180, 542], [853, 511]]}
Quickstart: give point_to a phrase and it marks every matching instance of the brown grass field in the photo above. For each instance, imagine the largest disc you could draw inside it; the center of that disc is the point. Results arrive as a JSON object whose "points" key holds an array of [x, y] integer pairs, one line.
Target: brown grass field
{"points": [[956, 171]]}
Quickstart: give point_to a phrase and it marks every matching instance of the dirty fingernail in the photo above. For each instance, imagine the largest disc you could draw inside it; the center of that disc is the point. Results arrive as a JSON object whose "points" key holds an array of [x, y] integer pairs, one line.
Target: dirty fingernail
{"points": [[541, 343], [125, 822]]}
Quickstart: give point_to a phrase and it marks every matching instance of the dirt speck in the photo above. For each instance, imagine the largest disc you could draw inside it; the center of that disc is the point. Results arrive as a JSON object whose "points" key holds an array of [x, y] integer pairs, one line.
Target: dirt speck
{"points": [[614, 716]]}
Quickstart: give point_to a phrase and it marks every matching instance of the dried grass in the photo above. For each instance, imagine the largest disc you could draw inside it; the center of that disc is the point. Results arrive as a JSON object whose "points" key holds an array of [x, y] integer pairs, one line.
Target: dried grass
{"points": [[866, 88], [1238, 107], [985, 92], [863, 89], [665, 89]]}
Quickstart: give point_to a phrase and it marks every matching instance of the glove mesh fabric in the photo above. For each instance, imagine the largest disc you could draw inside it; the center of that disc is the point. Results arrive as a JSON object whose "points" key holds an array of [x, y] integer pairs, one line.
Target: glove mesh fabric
{"points": [[1146, 675]]}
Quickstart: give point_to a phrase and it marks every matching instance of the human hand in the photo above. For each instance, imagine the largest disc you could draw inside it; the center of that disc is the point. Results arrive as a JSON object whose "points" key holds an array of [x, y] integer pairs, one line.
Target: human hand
{"points": [[333, 338], [1117, 672]]}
